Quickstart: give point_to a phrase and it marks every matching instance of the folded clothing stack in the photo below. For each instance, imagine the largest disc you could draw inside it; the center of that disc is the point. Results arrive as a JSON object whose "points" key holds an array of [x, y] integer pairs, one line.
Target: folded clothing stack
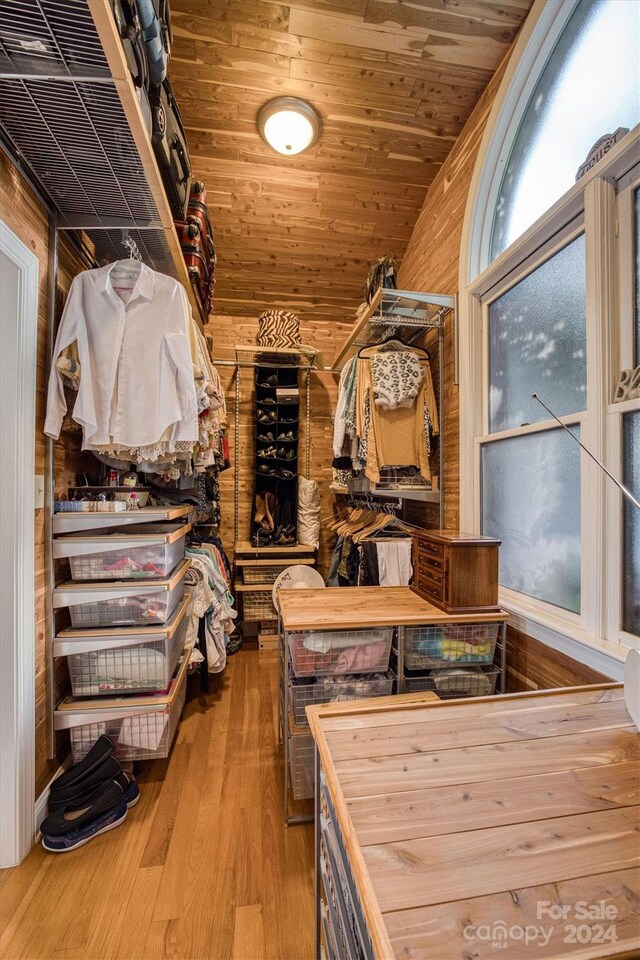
{"points": [[88, 799]]}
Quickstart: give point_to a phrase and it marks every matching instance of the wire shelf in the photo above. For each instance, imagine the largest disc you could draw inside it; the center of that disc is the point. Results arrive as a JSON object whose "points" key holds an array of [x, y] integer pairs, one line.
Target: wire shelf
{"points": [[458, 643], [142, 668], [322, 653], [455, 682], [338, 689], [301, 756]]}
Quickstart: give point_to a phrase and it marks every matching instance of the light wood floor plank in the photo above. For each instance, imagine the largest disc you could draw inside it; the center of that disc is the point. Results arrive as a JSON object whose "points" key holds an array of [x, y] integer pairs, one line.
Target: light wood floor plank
{"points": [[248, 933]]}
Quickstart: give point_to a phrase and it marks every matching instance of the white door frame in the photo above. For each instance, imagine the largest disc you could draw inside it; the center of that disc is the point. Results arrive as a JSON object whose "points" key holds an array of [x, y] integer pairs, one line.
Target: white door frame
{"points": [[18, 344]]}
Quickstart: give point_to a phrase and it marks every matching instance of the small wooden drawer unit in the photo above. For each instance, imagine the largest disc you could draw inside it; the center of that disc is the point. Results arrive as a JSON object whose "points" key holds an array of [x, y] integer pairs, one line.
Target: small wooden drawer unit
{"points": [[457, 572]]}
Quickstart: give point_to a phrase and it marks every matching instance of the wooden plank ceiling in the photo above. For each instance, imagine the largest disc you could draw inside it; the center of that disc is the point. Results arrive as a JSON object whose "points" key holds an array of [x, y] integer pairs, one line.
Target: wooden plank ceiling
{"points": [[394, 82]]}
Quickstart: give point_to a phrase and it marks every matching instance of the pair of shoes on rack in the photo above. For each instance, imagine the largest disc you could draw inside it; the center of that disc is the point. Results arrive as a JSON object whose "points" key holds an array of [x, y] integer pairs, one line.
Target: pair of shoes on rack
{"points": [[283, 454], [264, 417], [287, 436], [268, 402], [267, 452], [284, 534], [282, 474], [265, 510], [267, 437], [271, 381], [90, 798]]}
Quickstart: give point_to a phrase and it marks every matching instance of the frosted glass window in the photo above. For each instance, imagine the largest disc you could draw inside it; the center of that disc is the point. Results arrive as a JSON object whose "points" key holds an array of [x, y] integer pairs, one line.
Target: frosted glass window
{"points": [[531, 501], [637, 242], [631, 522], [537, 343], [589, 87]]}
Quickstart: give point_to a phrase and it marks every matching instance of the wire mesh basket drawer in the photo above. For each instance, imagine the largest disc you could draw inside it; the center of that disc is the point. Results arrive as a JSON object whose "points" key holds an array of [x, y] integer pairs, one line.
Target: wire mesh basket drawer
{"points": [[435, 646], [122, 604], [301, 765], [258, 605], [322, 653], [140, 732], [455, 682], [262, 574], [125, 662], [329, 690], [149, 552]]}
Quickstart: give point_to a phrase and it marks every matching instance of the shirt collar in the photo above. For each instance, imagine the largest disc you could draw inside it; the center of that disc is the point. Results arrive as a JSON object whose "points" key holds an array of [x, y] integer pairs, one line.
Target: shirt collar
{"points": [[143, 286]]}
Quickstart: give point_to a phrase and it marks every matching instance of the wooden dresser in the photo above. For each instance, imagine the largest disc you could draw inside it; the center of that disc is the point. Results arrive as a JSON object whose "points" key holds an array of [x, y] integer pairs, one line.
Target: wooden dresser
{"points": [[478, 829], [456, 571]]}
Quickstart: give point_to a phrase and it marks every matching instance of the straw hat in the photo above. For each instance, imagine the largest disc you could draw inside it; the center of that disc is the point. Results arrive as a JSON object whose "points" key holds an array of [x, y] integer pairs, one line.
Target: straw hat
{"points": [[296, 577]]}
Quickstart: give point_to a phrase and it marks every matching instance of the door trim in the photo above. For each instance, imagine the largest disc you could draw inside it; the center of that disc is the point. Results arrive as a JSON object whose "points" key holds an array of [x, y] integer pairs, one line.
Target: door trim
{"points": [[17, 651]]}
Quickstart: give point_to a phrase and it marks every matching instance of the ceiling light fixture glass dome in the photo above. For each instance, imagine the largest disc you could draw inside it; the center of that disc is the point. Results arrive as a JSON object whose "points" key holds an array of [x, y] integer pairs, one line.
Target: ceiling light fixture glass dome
{"points": [[289, 125]]}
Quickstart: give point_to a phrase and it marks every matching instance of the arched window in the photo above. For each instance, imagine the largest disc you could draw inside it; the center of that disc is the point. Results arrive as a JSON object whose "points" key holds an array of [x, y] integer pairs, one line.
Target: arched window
{"points": [[550, 305], [590, 85]]}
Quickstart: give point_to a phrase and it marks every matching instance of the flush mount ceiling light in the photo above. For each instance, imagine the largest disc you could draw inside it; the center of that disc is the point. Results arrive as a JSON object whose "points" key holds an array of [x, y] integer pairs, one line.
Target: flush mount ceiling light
{"points": [[289, 125]]}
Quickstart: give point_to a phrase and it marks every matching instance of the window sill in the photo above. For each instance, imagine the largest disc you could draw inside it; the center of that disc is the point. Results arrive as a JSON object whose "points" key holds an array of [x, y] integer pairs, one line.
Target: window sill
{"points": [[571, 640]]}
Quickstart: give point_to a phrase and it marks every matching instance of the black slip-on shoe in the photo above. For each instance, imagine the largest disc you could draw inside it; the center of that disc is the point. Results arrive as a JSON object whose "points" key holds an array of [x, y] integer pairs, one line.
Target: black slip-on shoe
{"points": [[104, 798], [100, 751], [108, 820], [76, 796]]}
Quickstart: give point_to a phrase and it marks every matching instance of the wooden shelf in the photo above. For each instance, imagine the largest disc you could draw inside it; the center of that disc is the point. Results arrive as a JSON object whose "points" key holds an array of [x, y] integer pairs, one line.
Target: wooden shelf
{"points": [[246, 549], [405, 312], [108, 33]]}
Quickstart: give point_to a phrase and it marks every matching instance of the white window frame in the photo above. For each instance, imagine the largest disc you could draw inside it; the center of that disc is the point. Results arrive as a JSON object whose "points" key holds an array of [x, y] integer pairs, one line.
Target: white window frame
{"points": [[592, 205]]}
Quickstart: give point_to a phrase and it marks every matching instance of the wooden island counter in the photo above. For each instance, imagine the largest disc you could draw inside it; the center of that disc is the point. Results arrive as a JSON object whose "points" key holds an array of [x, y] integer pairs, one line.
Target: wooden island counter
{"points": [[503, 827]]}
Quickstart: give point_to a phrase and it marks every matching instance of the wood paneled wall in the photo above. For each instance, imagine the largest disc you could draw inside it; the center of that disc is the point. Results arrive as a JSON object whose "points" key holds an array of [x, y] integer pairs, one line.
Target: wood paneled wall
{"points": [[533, 666], [431, 263], [228, 331], [23, 213]]}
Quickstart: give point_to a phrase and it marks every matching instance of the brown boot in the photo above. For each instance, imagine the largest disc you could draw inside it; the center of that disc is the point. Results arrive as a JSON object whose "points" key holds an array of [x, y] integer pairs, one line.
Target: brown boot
{"points": [[270, 509]]}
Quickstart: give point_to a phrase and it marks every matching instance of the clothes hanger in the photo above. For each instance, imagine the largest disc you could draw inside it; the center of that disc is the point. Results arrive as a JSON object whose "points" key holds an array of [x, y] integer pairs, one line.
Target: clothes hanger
{"points": [[394, 342]]}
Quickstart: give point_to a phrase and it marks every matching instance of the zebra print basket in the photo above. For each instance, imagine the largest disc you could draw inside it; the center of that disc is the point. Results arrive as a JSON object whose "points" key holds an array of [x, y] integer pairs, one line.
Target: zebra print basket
{"points": [[277, 328]]}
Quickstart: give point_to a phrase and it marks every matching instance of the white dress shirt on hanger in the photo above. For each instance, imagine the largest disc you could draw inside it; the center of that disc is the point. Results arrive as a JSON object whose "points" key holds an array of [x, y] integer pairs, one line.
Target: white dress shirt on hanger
{"points": [[136, 381]]}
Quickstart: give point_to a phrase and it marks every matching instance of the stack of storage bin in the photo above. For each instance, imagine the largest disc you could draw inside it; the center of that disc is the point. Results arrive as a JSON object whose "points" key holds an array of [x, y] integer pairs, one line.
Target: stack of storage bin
{"points": [[128, 613], [453, 659], [322, 667]]}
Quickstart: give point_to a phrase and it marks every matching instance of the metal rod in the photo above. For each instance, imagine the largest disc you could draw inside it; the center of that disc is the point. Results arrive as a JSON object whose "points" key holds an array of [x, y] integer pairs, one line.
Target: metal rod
{"points": [[236, 456], [250, 364], [49, 466], [58, 77], [619, 485], [441, 420], [307, 435]]}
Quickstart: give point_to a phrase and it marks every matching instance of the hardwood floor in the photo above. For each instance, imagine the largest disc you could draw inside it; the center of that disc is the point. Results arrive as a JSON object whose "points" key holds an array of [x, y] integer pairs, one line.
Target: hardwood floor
{"points": [[203, 867]]}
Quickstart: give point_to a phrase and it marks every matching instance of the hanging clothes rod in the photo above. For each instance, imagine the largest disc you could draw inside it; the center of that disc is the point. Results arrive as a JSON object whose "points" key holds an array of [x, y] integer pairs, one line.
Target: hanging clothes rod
{"points": [[375, 506], [253, 363]]}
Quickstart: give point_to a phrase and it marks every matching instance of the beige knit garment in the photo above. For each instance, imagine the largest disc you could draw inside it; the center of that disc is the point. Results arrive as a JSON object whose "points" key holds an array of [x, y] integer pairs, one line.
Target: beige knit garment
{"points": [[396, 437]]}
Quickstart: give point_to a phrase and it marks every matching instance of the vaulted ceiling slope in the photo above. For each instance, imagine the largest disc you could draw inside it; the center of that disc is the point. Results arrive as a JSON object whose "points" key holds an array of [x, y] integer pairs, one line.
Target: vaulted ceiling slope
{"points": [[394, 82]]}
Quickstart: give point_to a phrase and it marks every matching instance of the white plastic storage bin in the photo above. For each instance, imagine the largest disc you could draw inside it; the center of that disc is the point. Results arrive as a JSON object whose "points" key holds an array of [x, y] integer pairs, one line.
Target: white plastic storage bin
{"points": [[317, 653], [332, 689], [455, 682], [146, 552], [301, 758], [123, 660], [121, 603], [142, 728], [448, 644]]}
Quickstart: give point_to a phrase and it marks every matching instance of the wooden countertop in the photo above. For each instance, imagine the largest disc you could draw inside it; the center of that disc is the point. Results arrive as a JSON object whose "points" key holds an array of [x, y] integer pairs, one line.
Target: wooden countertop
{"points": [[464, 818], [349, 608]]}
